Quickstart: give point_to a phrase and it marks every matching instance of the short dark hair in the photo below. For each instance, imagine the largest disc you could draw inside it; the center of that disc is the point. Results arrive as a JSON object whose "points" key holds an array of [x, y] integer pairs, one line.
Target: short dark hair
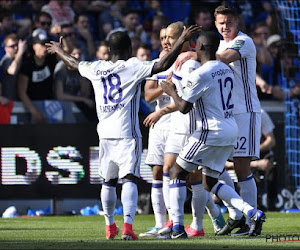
{"points": [[43, 13], [225, 10], [119, 42], [210, 39]]}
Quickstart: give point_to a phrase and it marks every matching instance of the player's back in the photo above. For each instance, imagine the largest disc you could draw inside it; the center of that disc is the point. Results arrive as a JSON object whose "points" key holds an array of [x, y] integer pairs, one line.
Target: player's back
{"points": [[117, 93], [211, 87]]}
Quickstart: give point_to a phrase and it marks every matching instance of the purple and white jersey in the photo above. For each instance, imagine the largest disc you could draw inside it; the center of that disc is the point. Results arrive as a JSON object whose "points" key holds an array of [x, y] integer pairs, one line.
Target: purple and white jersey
{"points": [[117, 88], [183, 123], [163, 100], [244, 92], [210, 88]]}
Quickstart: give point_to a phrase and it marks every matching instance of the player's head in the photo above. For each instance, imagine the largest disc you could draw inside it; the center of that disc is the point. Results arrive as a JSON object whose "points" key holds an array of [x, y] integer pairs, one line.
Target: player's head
{"points": [[207, 44], [173, 32], [120, 45], [227, 21], [162, 37]]}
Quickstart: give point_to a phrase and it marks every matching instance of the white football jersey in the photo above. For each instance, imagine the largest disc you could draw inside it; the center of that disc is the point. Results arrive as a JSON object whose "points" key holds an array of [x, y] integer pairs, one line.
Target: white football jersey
{"points": [[117, 88], [245, 94], [162, 101], [183, 123], [210, 88]]}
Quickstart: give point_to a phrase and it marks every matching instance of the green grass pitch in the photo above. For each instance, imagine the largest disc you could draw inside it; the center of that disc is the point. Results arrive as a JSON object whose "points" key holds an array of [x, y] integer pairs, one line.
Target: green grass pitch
{"points": [[88, 232]]}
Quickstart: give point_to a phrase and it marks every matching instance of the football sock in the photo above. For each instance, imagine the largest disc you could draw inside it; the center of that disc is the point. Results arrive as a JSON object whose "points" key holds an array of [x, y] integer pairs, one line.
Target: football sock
{"points": [[129, 198], [199, 200], [166, 188], [177, 199], [228, 195], [108, 200], [211, 207], [158, 203], [234, 213], [248, 191]]}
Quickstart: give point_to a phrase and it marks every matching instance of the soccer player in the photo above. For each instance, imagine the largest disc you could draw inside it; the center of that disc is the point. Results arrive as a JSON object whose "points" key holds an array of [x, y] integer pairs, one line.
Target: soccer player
{"points": [[238, 51], [158, 135], [181, 127], [210, 88], [117, 89]]}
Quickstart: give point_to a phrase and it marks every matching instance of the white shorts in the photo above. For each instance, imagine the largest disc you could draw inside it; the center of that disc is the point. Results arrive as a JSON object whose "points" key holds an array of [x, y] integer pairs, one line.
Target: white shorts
{"points": [[119, 157], [211, 159], [175, 143], [248, 140], [156, 147]]}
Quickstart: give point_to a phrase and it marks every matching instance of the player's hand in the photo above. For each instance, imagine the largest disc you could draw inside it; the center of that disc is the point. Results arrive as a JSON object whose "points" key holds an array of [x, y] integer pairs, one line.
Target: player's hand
{"points": [[54, 47], [168, 86], [189, 32], [183, 57], [152, 119]]}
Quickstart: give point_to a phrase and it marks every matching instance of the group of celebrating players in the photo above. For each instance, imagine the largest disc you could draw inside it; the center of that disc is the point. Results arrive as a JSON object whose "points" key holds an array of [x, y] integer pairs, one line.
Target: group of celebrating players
{"points": [[207, 112]]}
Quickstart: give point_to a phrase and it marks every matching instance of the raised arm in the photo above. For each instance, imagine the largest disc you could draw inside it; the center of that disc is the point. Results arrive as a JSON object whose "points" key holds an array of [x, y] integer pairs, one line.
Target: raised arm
{"points": [[70, 61], [167, 61]]}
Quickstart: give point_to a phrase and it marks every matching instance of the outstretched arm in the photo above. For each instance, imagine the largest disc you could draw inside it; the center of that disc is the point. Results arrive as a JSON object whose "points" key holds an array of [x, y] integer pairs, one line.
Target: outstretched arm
{"points": [[70, 61], [167, 61], [169, 88]]}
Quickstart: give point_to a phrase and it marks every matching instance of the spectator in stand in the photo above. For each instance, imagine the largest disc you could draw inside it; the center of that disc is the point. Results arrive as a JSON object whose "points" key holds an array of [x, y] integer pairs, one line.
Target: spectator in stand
{"points": [[84, 37], [130, 23], [67, 31], [29, 9], [144, 52], [44, 21], [6, 106], [8, 25], [103, 51], [60, 10], [159, 22], [135, 43], [35, 80], [203, 17], [70, 86], [10, 65], [111, 18], [61, 13], [92, 9], [260, 35]]}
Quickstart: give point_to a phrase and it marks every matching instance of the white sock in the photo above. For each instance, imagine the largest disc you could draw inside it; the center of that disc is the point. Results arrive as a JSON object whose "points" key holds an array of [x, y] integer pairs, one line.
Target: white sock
{"points": [[211, 207], [177, 199], [158, 203], [227, 194], [234, 213], [248, 191], [199, 200], [166, 190], [129, 198], [108, 200]]}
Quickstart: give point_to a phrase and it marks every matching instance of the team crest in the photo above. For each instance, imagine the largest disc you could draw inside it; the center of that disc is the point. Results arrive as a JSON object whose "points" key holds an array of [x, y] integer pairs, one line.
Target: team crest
{"points": [[238, 44]]}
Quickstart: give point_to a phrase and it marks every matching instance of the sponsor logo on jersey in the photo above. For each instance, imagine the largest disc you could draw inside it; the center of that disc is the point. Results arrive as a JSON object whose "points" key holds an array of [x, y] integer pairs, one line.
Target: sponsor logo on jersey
{"points": [[238, 44]]}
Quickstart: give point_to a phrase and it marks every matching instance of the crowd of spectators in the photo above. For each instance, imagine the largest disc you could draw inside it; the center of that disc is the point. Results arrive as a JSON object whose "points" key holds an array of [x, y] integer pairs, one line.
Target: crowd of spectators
{"points": [[28, 73]]}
